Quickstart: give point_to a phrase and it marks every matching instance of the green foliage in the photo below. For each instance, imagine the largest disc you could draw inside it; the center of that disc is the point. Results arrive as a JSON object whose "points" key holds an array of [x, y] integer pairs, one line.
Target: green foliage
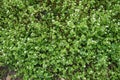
{"points": [[55, 39]]}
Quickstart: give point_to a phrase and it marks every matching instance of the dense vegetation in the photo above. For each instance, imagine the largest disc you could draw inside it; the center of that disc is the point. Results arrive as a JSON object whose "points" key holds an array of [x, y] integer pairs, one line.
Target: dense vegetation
{"points": [[61, 39]]}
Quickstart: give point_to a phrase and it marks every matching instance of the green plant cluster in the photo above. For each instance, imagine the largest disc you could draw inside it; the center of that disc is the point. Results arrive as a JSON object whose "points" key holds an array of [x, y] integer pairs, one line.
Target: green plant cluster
{"points": [[61, 39]]}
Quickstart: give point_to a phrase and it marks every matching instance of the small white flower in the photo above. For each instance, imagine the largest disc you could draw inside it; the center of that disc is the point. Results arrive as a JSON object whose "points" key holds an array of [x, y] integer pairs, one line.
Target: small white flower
{"points": [[91, 72], [106, 26], [77, 10]]}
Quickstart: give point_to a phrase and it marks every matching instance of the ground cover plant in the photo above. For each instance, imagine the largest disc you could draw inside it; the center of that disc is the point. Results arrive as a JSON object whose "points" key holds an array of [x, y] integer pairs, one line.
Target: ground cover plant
{"points": [[61, 39]]}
